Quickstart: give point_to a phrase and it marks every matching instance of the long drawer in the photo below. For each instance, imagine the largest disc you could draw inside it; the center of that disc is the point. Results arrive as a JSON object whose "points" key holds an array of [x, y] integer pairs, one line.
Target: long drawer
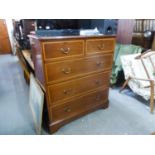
{"points": [[71, 88], [63, 49], [61, 71], [99, 46], [79, 105]]}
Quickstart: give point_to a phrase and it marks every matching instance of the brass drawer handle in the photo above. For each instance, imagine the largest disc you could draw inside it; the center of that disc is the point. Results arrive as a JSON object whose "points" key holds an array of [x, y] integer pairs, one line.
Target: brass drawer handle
{"points": [[65, 50], [98, 97], [66, 70], [67, 109], [67, 91], [98, 82], [99, 63], [101, 46]]}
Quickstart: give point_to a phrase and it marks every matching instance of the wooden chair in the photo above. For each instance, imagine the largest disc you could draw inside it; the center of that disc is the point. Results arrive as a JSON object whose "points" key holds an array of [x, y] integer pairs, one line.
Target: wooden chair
{"points": [[139, 71]]}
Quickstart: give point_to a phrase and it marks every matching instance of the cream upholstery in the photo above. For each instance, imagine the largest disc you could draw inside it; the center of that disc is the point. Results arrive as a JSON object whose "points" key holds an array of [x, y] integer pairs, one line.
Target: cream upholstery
{"points": [[133, 67]]}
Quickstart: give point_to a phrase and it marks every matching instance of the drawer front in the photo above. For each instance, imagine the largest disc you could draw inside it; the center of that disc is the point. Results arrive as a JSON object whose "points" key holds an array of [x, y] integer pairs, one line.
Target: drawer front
{"points": [[60, 71], [74, 87], [63, 49], [99, 45], [79, 105]]}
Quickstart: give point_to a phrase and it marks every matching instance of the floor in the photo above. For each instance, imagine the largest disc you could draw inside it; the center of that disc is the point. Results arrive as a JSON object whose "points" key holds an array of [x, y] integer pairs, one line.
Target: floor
{"points": [[127, 113], [15, 115]]}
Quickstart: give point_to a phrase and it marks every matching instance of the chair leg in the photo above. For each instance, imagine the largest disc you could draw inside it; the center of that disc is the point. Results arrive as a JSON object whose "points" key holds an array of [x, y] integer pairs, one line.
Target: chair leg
{"points": [[152, 97], [124, 84]]}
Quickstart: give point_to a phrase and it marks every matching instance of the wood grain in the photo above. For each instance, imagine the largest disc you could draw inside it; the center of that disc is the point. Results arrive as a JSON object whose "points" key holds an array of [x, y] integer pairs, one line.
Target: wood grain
{"points": [[78, 105], [76, 82], [63, 49], [65, 70], [5, 47], [94, 46], [125, 31], [71, 88]]}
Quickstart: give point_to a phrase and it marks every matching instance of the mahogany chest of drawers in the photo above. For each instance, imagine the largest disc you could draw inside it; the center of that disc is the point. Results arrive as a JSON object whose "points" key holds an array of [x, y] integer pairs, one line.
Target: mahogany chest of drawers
{"points": [[75, 72]]}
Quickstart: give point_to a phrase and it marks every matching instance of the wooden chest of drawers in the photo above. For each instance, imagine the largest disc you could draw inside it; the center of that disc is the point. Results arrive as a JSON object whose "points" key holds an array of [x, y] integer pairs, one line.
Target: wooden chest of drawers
{"points": [[75, 72]]}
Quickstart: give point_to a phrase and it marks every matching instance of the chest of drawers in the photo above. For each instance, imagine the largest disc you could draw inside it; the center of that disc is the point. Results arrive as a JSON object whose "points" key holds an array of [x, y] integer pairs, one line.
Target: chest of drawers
{"points": [[75, 72]]}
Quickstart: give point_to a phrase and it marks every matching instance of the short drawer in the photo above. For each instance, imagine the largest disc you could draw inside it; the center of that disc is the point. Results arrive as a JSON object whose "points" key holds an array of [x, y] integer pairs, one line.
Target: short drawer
{"points": [[63, 49], [99, 45], [79, 105], [61, 71], [71, 88]]}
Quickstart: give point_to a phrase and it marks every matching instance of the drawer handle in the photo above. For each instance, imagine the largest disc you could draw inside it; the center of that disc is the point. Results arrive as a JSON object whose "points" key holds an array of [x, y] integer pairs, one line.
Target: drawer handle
{"points": [[67, 91], [98, 97], [66, 70], [98, 82], [65, 50], [99, 63], [101, 46], [67, 109]]}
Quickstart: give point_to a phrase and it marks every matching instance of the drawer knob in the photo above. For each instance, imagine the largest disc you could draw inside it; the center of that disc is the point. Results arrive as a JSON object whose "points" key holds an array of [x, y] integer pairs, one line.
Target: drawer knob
{"points": [[67, 109], [67, 91], [66, 70], [98, 82], [101, 46], [65, 50], [99, 63], [98, 97]]}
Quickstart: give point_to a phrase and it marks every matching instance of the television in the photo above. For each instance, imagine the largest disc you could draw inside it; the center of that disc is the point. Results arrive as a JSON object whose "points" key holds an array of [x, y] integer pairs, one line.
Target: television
{"points": [[62, 27]]}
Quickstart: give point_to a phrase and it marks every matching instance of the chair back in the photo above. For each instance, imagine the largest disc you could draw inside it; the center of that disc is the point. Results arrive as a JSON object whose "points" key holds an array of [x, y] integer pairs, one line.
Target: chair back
{"points": [[133, 67], [148, 61]]}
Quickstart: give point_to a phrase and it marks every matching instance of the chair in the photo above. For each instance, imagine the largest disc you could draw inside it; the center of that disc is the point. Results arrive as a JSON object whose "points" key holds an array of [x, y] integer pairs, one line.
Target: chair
{"points": [[139, 71], [121, 49]]}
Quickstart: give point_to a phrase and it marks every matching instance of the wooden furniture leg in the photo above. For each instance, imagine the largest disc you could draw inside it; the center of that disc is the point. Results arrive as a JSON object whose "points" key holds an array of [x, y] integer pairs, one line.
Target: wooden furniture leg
{"points": [[125, 83], [152, 97]]}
